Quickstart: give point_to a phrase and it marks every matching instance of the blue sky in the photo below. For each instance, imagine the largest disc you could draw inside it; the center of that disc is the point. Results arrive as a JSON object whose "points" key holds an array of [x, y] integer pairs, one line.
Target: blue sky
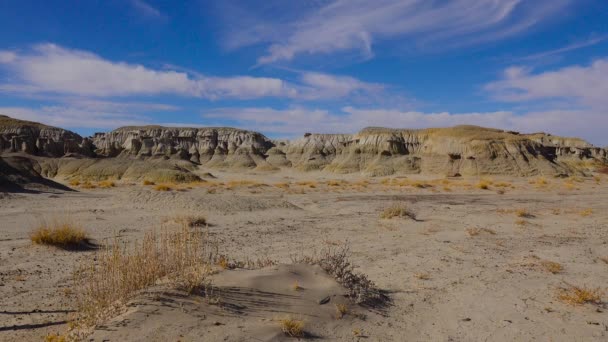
{"points": [[289, 67]]}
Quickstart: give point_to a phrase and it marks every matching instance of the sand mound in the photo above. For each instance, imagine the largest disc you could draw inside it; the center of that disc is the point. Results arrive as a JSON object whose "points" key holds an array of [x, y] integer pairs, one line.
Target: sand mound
{"points": [[245, 305]]}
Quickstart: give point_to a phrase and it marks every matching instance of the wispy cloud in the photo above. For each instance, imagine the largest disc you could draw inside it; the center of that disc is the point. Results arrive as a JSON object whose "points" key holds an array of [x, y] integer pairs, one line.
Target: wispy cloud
{"points": [[146, 9], [570, 47], [293, 122], [53, 69], [346, 25], [583, 85]]}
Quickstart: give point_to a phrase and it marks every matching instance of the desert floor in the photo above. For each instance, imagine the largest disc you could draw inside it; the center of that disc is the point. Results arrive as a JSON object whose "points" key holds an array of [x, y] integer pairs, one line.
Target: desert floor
{"points": [[471, 267]]}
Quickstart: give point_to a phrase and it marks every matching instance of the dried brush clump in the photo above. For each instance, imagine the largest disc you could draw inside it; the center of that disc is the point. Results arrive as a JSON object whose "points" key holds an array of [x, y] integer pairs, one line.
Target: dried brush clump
{"points": [[116, 274], [397, 210], [292, 327], [59, 232], [336, 262], [580, 295]]}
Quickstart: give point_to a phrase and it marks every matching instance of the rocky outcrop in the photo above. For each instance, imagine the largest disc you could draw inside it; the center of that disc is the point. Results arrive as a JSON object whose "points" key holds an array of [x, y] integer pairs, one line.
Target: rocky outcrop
{"points": [[464, 150], [38, 139], [220, 147]]}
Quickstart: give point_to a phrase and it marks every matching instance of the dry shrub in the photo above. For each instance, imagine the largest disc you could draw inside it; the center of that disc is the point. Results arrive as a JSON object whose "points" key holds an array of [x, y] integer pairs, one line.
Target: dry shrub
{"points": [[521, 222], [116, 274], [552, 266], [292, 327], [483, 184], [341, 310], [147, 182], [88, 185], [74, 182], [59, 232], [282, 185], [54, 337], [162, 187], [296, 286], [106, 184], [523, 213], [397, 210], [581, 295], [586, 212], [191, 220], [336, 262], [310, 184], [422, 276], [336, 182], [476, 231]]}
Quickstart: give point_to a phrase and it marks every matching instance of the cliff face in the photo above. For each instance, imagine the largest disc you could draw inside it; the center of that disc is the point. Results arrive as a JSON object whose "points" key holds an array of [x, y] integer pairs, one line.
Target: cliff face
{"points": [[38, 139], [222, 147], [464, 150]]}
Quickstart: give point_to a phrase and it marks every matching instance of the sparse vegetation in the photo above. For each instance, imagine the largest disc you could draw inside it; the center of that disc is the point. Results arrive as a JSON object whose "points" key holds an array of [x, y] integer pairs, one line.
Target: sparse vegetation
{"points": [[116, 273], [483, 184], [341, 310], [162, 187], [397, 210], [552, 266], [148, 182], [586, 212], [296, 286], [106, 184], [521, 222], [523, 213], [59, 232], [292, 327], [580, 295], [422, 276], [476, 231]]}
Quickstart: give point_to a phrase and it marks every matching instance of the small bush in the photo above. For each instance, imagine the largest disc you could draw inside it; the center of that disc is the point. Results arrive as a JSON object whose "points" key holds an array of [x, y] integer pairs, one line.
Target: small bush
{"points": [[397, 211], [162, 187], [292, 327], [586, 212], [580, 295], [476, 231], [523, 213], [63, 233], [341, 310], [106, 184], [551, 266], [74, 182], [88, 185], [422, 276], [148, 182], [484, 185]]}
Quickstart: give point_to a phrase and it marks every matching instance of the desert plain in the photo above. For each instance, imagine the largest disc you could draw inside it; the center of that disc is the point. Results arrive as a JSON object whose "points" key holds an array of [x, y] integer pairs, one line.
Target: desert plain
{"points": [[479, 260]]}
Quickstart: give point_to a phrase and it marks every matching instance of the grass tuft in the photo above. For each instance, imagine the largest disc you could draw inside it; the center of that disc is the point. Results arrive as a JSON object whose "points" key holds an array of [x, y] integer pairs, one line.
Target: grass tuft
{"points": [[162, 187], [147, 182], [552, 266], [292, 327], [341, 310], [59, 232], [580, 295], [397, 210]]}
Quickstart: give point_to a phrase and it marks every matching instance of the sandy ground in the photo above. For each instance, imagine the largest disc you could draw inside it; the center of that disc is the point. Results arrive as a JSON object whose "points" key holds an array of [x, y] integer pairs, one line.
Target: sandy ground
{"points": [[468, 269]]}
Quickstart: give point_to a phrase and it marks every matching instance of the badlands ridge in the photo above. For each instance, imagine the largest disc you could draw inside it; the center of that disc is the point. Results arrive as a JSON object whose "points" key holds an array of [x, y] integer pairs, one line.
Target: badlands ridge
{"points": [[172, 153]]}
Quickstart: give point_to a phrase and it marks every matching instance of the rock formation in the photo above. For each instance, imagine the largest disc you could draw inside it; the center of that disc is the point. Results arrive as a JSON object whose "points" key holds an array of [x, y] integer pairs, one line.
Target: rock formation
{"points": [[38, 139], [176, 152]]}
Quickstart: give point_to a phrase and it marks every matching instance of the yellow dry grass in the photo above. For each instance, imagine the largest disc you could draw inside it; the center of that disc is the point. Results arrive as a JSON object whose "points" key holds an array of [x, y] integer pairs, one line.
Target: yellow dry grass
{"points": [[88, 185], [523, 213], [476, 231], [106, 184], [552, 266], [580, 295], [292, 327], [397, 210], [483, 185], [60, 232], [586, 212], [422, 276], [74, 182], [115, 274], [147, 182], [163, 187], [341, 310]]}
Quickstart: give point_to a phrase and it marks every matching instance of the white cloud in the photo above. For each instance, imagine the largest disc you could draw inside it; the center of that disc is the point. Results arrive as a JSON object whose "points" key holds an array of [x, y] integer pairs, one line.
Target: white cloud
{"points": [[344, 25], [7, 56], [146, 9], [585, 85], [49, 68], [295, 121]]}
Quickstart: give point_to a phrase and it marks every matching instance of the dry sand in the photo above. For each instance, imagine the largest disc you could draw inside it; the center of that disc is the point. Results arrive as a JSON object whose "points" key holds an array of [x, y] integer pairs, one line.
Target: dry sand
{"points": [[467, 269]]}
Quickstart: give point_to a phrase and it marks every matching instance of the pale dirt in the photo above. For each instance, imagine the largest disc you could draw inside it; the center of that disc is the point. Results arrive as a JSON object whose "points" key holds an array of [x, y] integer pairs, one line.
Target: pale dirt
{"points": [[487, 287]]}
